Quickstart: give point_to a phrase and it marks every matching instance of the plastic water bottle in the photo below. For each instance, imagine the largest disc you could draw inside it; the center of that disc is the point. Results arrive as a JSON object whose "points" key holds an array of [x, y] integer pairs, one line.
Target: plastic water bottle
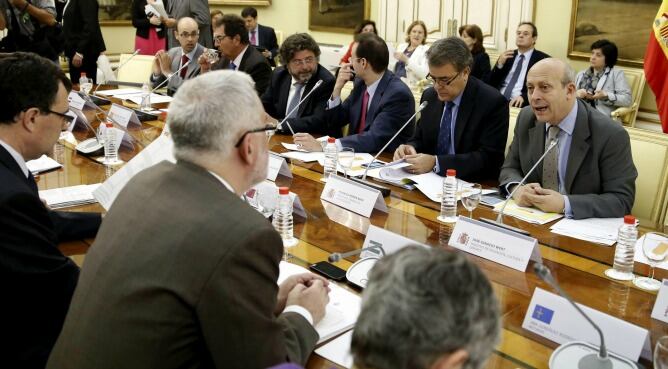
{"points": [[282, 220], [622, 268], [145, 98], [331, 159], [449, 198], [110, 148], [85, 84]]}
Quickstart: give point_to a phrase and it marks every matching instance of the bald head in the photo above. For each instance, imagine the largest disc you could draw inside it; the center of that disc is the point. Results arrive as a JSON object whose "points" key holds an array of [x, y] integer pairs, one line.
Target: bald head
{"points": [[187, 33], [563, 69], [551, 90]]}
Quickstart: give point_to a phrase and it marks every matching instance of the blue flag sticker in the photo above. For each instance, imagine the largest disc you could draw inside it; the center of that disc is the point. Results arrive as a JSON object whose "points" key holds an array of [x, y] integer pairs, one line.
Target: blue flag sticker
{"points": [[543, 314]]}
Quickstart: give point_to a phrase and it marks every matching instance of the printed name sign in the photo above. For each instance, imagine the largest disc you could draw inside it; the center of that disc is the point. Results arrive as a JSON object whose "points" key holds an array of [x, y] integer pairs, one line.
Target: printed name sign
{"points": [[353, 196]]}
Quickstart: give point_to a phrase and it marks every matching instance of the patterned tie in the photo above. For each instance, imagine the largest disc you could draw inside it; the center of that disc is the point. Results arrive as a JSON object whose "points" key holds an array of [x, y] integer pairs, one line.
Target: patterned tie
{"points": [[444, 141], [295, 100], [513, 80], [253, 39], [365, 105], [551, 162], [184, 60], [232, 66]]}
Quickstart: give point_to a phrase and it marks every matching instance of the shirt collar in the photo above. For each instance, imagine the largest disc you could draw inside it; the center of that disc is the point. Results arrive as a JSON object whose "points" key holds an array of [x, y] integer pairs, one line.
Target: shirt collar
{"points": [[224, 182], [371, 89], [190, 55], [527, 54], [458, 99], [17, 157], [568, 123], [237, 60]]}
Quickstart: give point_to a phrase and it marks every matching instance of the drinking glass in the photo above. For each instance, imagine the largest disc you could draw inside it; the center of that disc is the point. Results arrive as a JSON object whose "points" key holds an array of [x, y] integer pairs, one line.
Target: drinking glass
{"points": [[661, 353], [346, 157], [655, 248], [86, 86], [211, 55], [471, 197]]}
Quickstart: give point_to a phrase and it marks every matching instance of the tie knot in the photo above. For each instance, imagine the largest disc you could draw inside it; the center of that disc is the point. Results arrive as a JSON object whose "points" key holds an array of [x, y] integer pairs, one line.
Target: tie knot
{"points": [[552, 133], [450, 104], [521, 56]]}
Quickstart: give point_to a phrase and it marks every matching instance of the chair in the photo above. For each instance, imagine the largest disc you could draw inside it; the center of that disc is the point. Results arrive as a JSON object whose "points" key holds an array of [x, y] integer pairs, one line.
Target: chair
{"points": [[636, 80], [512, 120], [138, 69]]}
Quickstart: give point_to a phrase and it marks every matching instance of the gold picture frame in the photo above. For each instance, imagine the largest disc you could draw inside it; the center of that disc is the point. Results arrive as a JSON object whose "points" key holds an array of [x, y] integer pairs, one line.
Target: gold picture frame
{"points": [[340, 16], [626, 23], [241, 2], [115, 13]]}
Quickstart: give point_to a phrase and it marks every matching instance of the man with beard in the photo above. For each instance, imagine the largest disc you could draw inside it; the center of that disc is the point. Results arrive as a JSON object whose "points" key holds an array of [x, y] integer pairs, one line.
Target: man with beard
{"points": [[293, 81]]}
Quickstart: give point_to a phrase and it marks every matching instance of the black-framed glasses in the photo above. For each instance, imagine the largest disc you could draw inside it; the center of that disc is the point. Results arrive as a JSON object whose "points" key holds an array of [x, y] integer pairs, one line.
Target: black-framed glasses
{"points": [[442, 81], [269, 130], [194, 34], [299, 62], [67, 119]]}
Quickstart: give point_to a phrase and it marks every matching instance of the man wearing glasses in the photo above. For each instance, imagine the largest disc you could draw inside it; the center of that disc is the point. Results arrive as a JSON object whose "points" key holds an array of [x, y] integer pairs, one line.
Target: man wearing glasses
{"points": [[36, 279], [294, 81], [464, 126], [167, 63]]}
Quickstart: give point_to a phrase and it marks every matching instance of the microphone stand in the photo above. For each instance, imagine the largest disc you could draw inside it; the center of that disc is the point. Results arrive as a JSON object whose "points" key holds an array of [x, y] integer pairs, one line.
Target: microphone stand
{"points": [[171, 76], [317, 84], [333, 258]]}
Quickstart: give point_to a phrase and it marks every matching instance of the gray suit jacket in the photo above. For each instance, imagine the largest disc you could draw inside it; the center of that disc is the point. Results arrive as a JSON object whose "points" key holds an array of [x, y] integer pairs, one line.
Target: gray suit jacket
{"points": [[613, 82], [600, 174], [183, 277], [196, 9], [192, 70]]}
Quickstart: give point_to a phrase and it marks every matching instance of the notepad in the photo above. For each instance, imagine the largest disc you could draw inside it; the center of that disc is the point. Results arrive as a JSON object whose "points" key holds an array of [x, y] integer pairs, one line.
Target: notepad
{"points": [[64, 197], [42, 164], [529, 215]]}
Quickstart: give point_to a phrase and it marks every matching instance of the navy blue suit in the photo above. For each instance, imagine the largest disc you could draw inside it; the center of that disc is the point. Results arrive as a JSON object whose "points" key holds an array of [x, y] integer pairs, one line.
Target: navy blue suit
{"points": [[391, 106], [497, 76], [268, 41]]}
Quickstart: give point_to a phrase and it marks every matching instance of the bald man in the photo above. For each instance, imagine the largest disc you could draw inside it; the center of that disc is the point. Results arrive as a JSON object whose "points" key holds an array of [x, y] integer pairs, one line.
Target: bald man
{"points": [[590, 172], [166, 63]]}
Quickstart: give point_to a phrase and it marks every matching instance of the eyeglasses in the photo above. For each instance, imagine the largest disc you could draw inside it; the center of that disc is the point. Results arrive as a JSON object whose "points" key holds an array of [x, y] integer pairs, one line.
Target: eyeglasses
{"points": [[189, 35], [442, 81], [219, 38], [269, 131], [67, 119], [299, 62]]}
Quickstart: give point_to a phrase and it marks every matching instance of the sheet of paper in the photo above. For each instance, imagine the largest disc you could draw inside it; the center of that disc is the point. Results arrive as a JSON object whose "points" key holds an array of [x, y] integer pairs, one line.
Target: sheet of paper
{"points": [[530, 215], [306, 157], [338, 350], [356, 168], [118, 92], [69, 196], [598, 230], [42, 164], [292, 147], [155, 98]]}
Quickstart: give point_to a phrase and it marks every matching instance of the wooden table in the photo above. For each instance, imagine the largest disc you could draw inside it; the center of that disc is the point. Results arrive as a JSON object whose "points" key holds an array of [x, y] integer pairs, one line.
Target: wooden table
{"points": [[577, 265]]}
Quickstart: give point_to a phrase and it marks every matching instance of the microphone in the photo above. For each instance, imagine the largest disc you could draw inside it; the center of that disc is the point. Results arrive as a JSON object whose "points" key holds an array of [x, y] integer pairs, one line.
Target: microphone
{"points": [[317, 84], [118, 68], [499, 218], [171, 76], [602, 360], [333, 258]]}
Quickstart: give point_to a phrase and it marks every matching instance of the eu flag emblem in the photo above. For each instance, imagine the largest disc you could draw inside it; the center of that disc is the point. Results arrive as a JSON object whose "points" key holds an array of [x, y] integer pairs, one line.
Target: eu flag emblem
{"points": [[543, 314]]}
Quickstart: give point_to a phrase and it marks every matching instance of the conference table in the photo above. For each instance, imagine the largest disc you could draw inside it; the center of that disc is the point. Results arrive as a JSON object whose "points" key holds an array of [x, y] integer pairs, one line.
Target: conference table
{"points": [[577, 265]]}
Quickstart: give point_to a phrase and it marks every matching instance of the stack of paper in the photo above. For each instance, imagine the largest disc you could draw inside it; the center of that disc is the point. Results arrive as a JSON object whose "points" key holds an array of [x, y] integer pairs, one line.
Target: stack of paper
{"points": [[69, 196], [529, 215], [42, 164], [338, 351], [341, 311], [597, 230]]}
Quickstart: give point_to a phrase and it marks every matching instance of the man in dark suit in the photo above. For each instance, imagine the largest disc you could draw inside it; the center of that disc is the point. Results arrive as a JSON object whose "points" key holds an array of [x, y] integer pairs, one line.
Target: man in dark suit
{"points": [[83, 38], [589, 172], [231, 39], [510, 71], [465, 124], [197, 288], [379, 104], [262, 37], [36, 279], [292, 82]]}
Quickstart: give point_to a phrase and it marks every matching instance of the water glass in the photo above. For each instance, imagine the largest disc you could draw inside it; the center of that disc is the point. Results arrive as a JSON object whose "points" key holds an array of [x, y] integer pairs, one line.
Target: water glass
{"points": [[211, 56], [471, 197], [655, 248], [661, 353], [346, 157]]}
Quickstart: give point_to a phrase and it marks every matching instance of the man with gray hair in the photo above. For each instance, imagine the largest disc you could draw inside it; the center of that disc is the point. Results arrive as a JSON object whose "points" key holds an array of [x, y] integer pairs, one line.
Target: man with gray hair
{"points": [[426, 308], [183, 273], [464, 126]]}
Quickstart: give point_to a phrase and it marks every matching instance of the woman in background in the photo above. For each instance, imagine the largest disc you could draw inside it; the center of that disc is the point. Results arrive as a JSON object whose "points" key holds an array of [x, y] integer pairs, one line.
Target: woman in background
{"points": [[365, 26], [409, 59], [471, 34], [602, 85], [150, 35]]}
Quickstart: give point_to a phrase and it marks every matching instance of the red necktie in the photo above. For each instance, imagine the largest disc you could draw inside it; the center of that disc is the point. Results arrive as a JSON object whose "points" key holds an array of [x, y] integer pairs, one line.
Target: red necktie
{"points": [[184, 60], [253, 40], [365, 103]]}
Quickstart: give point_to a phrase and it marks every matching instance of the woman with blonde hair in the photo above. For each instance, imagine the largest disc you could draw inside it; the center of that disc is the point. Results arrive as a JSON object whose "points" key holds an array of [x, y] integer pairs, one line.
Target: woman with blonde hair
{"points": [[409, 58]]}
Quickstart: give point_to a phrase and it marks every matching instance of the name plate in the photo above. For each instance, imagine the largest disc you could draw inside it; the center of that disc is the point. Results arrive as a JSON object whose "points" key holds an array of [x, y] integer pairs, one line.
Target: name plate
{"points": [[553, 317], [277, 165], [499, 245], [660, 311], [122, 115], [353, 196], [389, 241], [76, 101]]}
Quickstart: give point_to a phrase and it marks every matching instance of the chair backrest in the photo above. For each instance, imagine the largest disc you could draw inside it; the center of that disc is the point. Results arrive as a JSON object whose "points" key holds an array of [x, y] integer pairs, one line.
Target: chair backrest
{"points": [[136, 70], [635, 77], [512, 120], [279, 37]]}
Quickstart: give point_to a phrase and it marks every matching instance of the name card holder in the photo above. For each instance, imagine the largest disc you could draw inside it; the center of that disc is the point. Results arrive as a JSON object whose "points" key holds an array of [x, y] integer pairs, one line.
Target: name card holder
{"points": [[277, 165], [353, 196], [123, 116]]}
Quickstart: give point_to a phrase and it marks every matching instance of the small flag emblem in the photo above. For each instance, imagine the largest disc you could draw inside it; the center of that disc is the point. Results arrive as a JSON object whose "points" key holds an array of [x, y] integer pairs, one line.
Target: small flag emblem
{"points": [[543, 314]]}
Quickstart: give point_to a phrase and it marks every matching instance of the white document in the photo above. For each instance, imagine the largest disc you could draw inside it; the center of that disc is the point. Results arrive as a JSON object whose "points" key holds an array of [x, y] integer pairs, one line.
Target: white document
{"points": [[69, 196], [660, 310], [389, 241], [306, 157], [597, 230], [155, 98], [356, 169], [292, 147], [76, 101], [529, 215], [338, 350], [493, 243], [553, 317], [276, 166], [122, 116], [157, 8], [118, 92], [353, 196], [157, 151], [341, 311], [641, 258], [42, 164]]}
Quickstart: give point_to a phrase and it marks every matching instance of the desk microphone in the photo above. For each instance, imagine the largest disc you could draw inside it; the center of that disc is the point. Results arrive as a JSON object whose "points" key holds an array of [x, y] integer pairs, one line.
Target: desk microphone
{"points": [[333, 258], [171, 76], [499, 219], [117, 69], [602, 360], [317, 84]]}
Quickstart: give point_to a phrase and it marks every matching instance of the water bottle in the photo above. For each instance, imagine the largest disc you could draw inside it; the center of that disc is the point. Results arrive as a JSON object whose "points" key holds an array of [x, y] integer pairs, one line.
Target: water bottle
{"points": [[282, 220], [145, 98], [85, 84], [110, 148], [331, 159], [449, 198], [622, 268]]}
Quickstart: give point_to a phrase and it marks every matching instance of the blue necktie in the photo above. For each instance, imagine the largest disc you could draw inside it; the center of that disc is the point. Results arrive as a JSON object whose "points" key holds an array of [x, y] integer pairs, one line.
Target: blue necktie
{"points": [[232, 66], [507, 93], [443, 145]]}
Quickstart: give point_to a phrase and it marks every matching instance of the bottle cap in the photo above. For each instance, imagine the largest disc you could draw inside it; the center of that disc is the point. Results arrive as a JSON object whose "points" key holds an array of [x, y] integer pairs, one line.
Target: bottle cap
{"points": [[108, 124], [331, 140], [451, 173], [284, 190], [83, 74], [629, 219]]}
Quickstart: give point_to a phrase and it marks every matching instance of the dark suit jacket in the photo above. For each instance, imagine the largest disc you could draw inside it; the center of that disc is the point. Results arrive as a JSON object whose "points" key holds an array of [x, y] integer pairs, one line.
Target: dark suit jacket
{"points": [[252, 63], [497, 76], [81, 29], [311, 113], [36, 279], [600, 175], [268, 41], [390, 108], [481, 131], [194, 289], [481, 66], [140, 20]]}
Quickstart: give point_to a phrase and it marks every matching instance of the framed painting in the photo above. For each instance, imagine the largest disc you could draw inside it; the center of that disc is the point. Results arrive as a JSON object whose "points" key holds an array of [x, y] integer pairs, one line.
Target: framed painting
{"points": [[627, 23], [115, 12], [337, 15], [241, 2]]}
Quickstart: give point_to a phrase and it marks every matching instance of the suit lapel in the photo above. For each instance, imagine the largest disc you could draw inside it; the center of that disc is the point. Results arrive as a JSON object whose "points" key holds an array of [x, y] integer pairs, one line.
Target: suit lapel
{"points": [[285, 85], [464, 112], [7, 160], [356, 106], [309, 86], [193, 67], [377, 97], [537, 144], [579, 146]]}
